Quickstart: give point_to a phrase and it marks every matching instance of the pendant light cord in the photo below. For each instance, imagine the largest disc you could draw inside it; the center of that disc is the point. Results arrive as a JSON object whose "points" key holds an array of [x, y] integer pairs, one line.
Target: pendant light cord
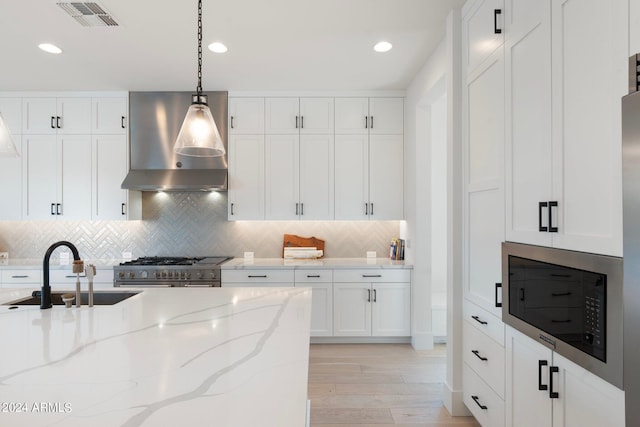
{"points": [[199, 88]]}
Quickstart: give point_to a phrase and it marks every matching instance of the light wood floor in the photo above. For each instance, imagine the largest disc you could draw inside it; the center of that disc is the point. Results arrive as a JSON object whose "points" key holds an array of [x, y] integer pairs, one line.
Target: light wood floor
{"points": [[359, 385]]}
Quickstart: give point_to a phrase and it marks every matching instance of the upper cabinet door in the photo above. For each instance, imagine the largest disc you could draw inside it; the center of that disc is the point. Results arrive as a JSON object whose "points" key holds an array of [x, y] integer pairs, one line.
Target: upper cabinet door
{"points": [[282, 116], [75, 115], [109, 169], [41, 178], [386, 177], [281, 177], [109, 115], [316, 177], [482, 31], [316, 115], [386, 116], [352, 177], [246, 116], [246, 177], [587, 136], [352, 116]]}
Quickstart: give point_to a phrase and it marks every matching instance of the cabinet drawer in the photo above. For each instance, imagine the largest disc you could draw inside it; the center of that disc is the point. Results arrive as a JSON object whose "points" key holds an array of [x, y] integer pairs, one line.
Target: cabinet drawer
{"points": [[484, 321], [484, 356], [67, 276], [484, 403], [21, 276], [372, 275], [314, 276], [258, 276]]}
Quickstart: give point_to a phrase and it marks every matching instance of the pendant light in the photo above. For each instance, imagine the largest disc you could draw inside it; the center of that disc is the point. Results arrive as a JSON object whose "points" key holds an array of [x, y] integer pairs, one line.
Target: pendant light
{"points": [[199, 135], [7, 146]]}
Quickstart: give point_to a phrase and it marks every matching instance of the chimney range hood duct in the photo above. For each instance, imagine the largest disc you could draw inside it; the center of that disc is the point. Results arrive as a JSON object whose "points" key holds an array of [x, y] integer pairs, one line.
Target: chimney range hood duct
{"points": [[155, 119]]}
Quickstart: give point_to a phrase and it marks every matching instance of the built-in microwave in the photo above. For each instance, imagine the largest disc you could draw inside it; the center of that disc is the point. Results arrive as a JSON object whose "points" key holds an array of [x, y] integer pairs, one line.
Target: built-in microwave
{"points": [[569, 301]]}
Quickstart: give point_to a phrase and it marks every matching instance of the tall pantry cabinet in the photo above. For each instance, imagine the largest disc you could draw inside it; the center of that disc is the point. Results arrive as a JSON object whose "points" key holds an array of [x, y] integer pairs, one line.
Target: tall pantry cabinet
{"points": [[542, 83]]}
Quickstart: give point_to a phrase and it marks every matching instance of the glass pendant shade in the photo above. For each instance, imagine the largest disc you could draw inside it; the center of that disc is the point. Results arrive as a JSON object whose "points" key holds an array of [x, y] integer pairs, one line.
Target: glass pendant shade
{"points": [[7, 146], [199, 135]]}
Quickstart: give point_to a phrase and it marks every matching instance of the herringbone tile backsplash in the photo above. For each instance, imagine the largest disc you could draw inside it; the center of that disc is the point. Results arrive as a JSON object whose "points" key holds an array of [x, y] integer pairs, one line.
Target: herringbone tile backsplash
{"points": [[191, 224]]}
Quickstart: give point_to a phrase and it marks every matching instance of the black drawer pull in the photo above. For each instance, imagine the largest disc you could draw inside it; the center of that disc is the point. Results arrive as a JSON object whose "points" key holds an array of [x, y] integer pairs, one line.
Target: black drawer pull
{"points": [[563, 294], [561, 321], [73, 277], [372, 275], [477, 353], [477, 319], [553, 370], [257, 277], [313, 276], [20, 277], [476, 399], [541, 386]]}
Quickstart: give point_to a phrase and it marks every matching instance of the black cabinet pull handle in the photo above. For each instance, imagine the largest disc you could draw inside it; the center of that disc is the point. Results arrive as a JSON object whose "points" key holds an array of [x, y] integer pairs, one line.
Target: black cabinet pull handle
{"points": [[371, 127], [372, 203], [122, 122], [296, 122], [232, 209], [496, 12], [476, 399], [53, 126], [20, 277], [372, 275], [540, 206], [375, 295], [552, 370], [477, 319], [58, 209], [53, 208], [498, 286], [541, 386], [561, 321], [257, 277], [366, 122], [368, 295], [477, 353], [231, 122], [563, 294], [301, 208], [58, 119], [301, 122], [314, 276], [122, 209], [521, 294], [297, 204], [552, 229], [366, 208]]}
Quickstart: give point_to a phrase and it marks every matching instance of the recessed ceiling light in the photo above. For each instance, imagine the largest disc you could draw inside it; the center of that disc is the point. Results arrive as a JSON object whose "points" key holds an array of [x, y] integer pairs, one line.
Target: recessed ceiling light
{"points": [[50, 48], [217, 47], [383, 47]]}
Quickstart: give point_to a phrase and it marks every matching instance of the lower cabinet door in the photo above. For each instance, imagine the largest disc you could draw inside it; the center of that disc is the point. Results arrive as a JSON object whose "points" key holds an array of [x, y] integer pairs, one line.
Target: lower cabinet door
{"points": [[527, 386], [321, 308], [352, 309], [391, 309], [584, 399], [484, 403]]}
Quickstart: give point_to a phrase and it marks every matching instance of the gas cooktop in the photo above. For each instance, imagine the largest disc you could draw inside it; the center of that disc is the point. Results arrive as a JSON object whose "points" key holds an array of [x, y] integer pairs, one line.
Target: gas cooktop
{"points": [[166, 261]]}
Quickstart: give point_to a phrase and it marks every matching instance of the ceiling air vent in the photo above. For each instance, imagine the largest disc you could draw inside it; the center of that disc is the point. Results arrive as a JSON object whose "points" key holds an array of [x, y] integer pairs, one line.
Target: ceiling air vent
{"points": [[89, 14]]}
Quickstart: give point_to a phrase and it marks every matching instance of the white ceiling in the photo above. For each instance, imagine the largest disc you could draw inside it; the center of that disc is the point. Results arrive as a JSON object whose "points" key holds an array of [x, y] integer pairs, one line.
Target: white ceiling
{"points": [[274, 45]]}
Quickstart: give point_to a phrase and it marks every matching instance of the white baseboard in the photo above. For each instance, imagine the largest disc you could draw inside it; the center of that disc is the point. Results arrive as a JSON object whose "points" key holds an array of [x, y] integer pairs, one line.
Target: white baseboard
{"points": [[422, 341], [453, 401]]}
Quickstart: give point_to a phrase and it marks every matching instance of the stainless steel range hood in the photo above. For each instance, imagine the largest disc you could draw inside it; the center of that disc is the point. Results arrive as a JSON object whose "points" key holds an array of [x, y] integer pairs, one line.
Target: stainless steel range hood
{"points": [[154, 122]]}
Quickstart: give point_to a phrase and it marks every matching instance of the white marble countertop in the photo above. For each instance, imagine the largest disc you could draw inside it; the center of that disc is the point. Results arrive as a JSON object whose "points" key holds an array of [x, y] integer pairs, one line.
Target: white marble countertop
{"points": [[329, 263], [181, 357], [54, 264]]}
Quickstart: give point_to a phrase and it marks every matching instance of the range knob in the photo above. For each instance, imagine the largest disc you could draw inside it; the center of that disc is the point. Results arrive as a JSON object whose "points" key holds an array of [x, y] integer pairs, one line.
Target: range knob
{"points": [[213, 274], [132, 275], [188, 275], [164, 274], [121, 275], [144, 274], [199, 275]]}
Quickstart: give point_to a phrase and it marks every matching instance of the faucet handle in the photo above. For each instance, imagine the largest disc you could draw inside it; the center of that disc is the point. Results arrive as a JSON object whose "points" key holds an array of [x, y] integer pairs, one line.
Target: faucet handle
{"points": [[90, 271], [78, 266]]}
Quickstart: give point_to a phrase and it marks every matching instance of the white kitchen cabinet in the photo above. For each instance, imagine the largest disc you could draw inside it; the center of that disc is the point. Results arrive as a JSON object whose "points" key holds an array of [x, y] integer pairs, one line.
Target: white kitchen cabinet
{"points": [[299, 177], [565, 190], [21, 278], [482, 31], [49, 116], [246, 177], [11, 167], [257, 278], [484, 201], [57, 177], [363, 116], [534, 372], [109, 116], [369, 177], [66, 279], [321, 283], [246, 116], [371, 303], [299, 116], [109, 201]]}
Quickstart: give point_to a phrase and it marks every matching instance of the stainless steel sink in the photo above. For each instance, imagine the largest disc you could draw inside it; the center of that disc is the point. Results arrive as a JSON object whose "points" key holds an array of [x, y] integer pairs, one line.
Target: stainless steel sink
{"points": [[99, 298]]}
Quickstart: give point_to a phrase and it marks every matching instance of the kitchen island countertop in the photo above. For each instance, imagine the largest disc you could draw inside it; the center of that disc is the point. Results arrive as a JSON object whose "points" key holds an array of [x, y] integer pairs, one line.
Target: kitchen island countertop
{"points": [[225, 357]]}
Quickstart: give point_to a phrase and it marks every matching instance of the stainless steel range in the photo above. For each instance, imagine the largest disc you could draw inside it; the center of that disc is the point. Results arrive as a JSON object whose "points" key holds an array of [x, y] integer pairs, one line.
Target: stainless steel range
{"points": [[169, 272]]}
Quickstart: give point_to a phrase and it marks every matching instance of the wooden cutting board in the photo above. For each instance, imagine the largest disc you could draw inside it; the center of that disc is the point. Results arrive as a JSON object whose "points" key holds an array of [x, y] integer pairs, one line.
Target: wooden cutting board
{"points": [[293, 241]]}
